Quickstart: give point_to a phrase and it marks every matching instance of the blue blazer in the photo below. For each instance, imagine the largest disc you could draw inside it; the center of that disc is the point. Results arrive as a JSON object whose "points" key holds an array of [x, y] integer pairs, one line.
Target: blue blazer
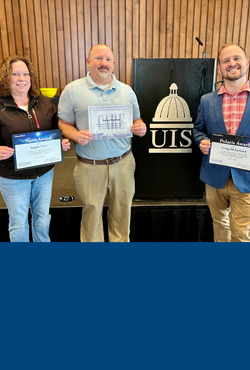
{"points": [[210, 119]]}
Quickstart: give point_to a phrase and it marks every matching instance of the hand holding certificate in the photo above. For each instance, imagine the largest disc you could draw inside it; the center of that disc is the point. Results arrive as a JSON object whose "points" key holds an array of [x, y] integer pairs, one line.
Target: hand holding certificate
{"points": [[37, 149], [110, 121], [230, 150]]}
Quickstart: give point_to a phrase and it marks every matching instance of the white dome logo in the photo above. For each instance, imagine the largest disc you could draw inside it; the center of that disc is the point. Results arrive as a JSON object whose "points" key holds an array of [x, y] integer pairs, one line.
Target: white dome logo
{"points": [[172, 108], [168, 136]]}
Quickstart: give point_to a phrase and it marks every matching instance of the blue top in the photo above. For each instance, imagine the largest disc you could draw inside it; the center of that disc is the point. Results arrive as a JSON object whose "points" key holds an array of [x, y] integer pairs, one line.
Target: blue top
{"points": [[73, 107], [210, 120]]}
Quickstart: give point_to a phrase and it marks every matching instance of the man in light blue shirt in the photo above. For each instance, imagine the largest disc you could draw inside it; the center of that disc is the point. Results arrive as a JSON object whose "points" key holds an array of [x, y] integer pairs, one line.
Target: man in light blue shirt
{"points": [[104, 166]]}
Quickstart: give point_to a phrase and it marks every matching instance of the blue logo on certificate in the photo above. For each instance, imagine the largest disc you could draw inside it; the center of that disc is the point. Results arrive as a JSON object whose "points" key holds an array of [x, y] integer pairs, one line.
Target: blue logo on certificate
{"points": [[37, 149]]}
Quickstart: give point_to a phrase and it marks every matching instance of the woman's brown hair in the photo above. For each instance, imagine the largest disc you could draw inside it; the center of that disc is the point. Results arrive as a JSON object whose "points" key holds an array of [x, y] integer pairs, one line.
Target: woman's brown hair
{"points": [[5, 74]]}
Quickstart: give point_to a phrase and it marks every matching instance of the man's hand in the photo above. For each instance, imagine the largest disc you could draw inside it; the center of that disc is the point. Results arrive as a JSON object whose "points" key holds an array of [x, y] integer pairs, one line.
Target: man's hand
{"points": [[70, 132], [84, 137], [139, 128], [205, 145]]}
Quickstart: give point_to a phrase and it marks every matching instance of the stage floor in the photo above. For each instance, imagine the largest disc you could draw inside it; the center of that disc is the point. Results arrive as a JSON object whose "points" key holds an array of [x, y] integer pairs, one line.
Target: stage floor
{"points": [[151, 220], [63, 185]]}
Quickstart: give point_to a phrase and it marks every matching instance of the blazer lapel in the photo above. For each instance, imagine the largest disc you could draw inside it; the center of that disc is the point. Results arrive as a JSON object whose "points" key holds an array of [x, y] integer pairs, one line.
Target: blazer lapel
{"points": [[219, 113]]}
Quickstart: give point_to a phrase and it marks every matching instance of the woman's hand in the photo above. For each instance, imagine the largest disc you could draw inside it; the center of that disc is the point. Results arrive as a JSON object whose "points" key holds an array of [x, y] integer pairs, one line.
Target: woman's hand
{"points": [[5, 152], [65, 144]]}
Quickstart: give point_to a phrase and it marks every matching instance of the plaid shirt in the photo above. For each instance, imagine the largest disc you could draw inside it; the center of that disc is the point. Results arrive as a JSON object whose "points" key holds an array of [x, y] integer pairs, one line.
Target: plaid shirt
{"points": [[233, 107]]}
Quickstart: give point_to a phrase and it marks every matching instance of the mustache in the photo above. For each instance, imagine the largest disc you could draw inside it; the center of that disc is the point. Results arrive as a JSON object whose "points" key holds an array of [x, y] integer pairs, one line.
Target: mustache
{"points": [[107, 69]]}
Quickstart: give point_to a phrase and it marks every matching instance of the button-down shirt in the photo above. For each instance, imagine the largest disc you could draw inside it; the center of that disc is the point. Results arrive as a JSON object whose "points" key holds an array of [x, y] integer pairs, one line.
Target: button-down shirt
{"points": [[233, 107]]}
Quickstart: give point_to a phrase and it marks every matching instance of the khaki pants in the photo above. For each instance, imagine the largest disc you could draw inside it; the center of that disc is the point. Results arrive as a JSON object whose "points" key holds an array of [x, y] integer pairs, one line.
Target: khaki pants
{"points": [[93, 182], [230, 210]]}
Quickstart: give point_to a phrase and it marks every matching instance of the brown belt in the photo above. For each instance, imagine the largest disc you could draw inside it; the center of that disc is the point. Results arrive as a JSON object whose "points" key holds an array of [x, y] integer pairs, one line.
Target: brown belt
{"points": [[107, 161]]}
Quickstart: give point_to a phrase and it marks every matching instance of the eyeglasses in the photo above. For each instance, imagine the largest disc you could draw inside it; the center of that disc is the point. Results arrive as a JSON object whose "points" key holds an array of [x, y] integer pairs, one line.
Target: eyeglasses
{"points": [[67, 199]]}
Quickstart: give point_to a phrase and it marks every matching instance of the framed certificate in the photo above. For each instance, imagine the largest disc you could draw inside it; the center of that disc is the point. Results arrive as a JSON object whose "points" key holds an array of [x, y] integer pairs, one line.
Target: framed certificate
{"points": [[110, 121], [230, 150], [37, 149]]}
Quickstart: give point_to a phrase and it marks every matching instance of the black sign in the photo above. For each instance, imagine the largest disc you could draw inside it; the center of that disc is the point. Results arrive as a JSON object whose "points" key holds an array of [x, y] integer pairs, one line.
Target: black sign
{"points": [[167, 159]]}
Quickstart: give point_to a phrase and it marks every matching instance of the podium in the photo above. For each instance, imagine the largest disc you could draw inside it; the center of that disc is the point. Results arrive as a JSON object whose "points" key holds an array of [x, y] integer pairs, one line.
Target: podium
{"points": [[167, 159]]}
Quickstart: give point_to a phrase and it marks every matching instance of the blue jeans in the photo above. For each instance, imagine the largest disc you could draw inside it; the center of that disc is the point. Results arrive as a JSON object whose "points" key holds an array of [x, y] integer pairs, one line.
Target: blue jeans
{"points": [[18, 195]]}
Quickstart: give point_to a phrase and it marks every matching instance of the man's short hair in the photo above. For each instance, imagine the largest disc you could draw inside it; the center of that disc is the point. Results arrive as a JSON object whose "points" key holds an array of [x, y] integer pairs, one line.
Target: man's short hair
{"points": [[91, 49], [230, 44]]}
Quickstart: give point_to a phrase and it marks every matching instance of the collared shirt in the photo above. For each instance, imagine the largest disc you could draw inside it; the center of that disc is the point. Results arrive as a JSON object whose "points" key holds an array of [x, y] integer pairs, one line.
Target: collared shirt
{"points": [[73, 107], [233, 107]]}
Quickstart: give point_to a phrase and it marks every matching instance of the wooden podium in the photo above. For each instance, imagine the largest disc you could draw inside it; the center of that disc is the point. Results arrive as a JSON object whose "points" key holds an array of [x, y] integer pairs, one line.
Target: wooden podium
{"points": [[167, 159]]}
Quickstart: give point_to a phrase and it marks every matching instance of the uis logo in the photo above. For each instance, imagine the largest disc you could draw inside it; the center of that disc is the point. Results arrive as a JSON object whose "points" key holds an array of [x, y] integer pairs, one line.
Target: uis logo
{"points": [[172, 130]]}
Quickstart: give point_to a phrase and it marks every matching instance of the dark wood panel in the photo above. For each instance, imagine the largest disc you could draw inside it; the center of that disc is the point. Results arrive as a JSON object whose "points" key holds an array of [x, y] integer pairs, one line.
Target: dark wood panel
{"points": [[149, 28], [129, 42], [40, 43], [60, 40], [94, 21], [108, 22], [101, 22], [190, 29], [57, 34], [4, 30], [74, 39], [32, 32], [115, 36], [162, 29], [87, 25], [46, 31], [67, 40], [183, 28], [156, 28], [136, 28], [17, 30], [122, 40], [169, 29], [176, 28], [24, 31], [54, 45], [142, 30], [81, 39], [10, 25]]}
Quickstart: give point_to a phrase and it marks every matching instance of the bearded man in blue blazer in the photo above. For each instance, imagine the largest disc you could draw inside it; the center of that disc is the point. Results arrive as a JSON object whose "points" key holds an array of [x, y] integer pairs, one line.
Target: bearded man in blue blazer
{"points": [[226, 111]]}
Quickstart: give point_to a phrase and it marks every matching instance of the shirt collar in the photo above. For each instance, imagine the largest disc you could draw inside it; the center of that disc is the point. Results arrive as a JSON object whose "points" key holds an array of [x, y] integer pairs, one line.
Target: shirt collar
{"points": [[223, 90], [93, 85]]}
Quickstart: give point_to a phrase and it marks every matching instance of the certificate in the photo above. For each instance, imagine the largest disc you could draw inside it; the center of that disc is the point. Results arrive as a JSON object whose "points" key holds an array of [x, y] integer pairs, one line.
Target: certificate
{"points": [[37, 149], [230, 150], [110, 121]]}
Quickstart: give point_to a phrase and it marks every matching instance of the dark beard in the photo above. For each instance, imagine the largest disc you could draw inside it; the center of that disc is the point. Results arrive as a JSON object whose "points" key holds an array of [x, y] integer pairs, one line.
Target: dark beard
{"points": [[234, 78]]}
